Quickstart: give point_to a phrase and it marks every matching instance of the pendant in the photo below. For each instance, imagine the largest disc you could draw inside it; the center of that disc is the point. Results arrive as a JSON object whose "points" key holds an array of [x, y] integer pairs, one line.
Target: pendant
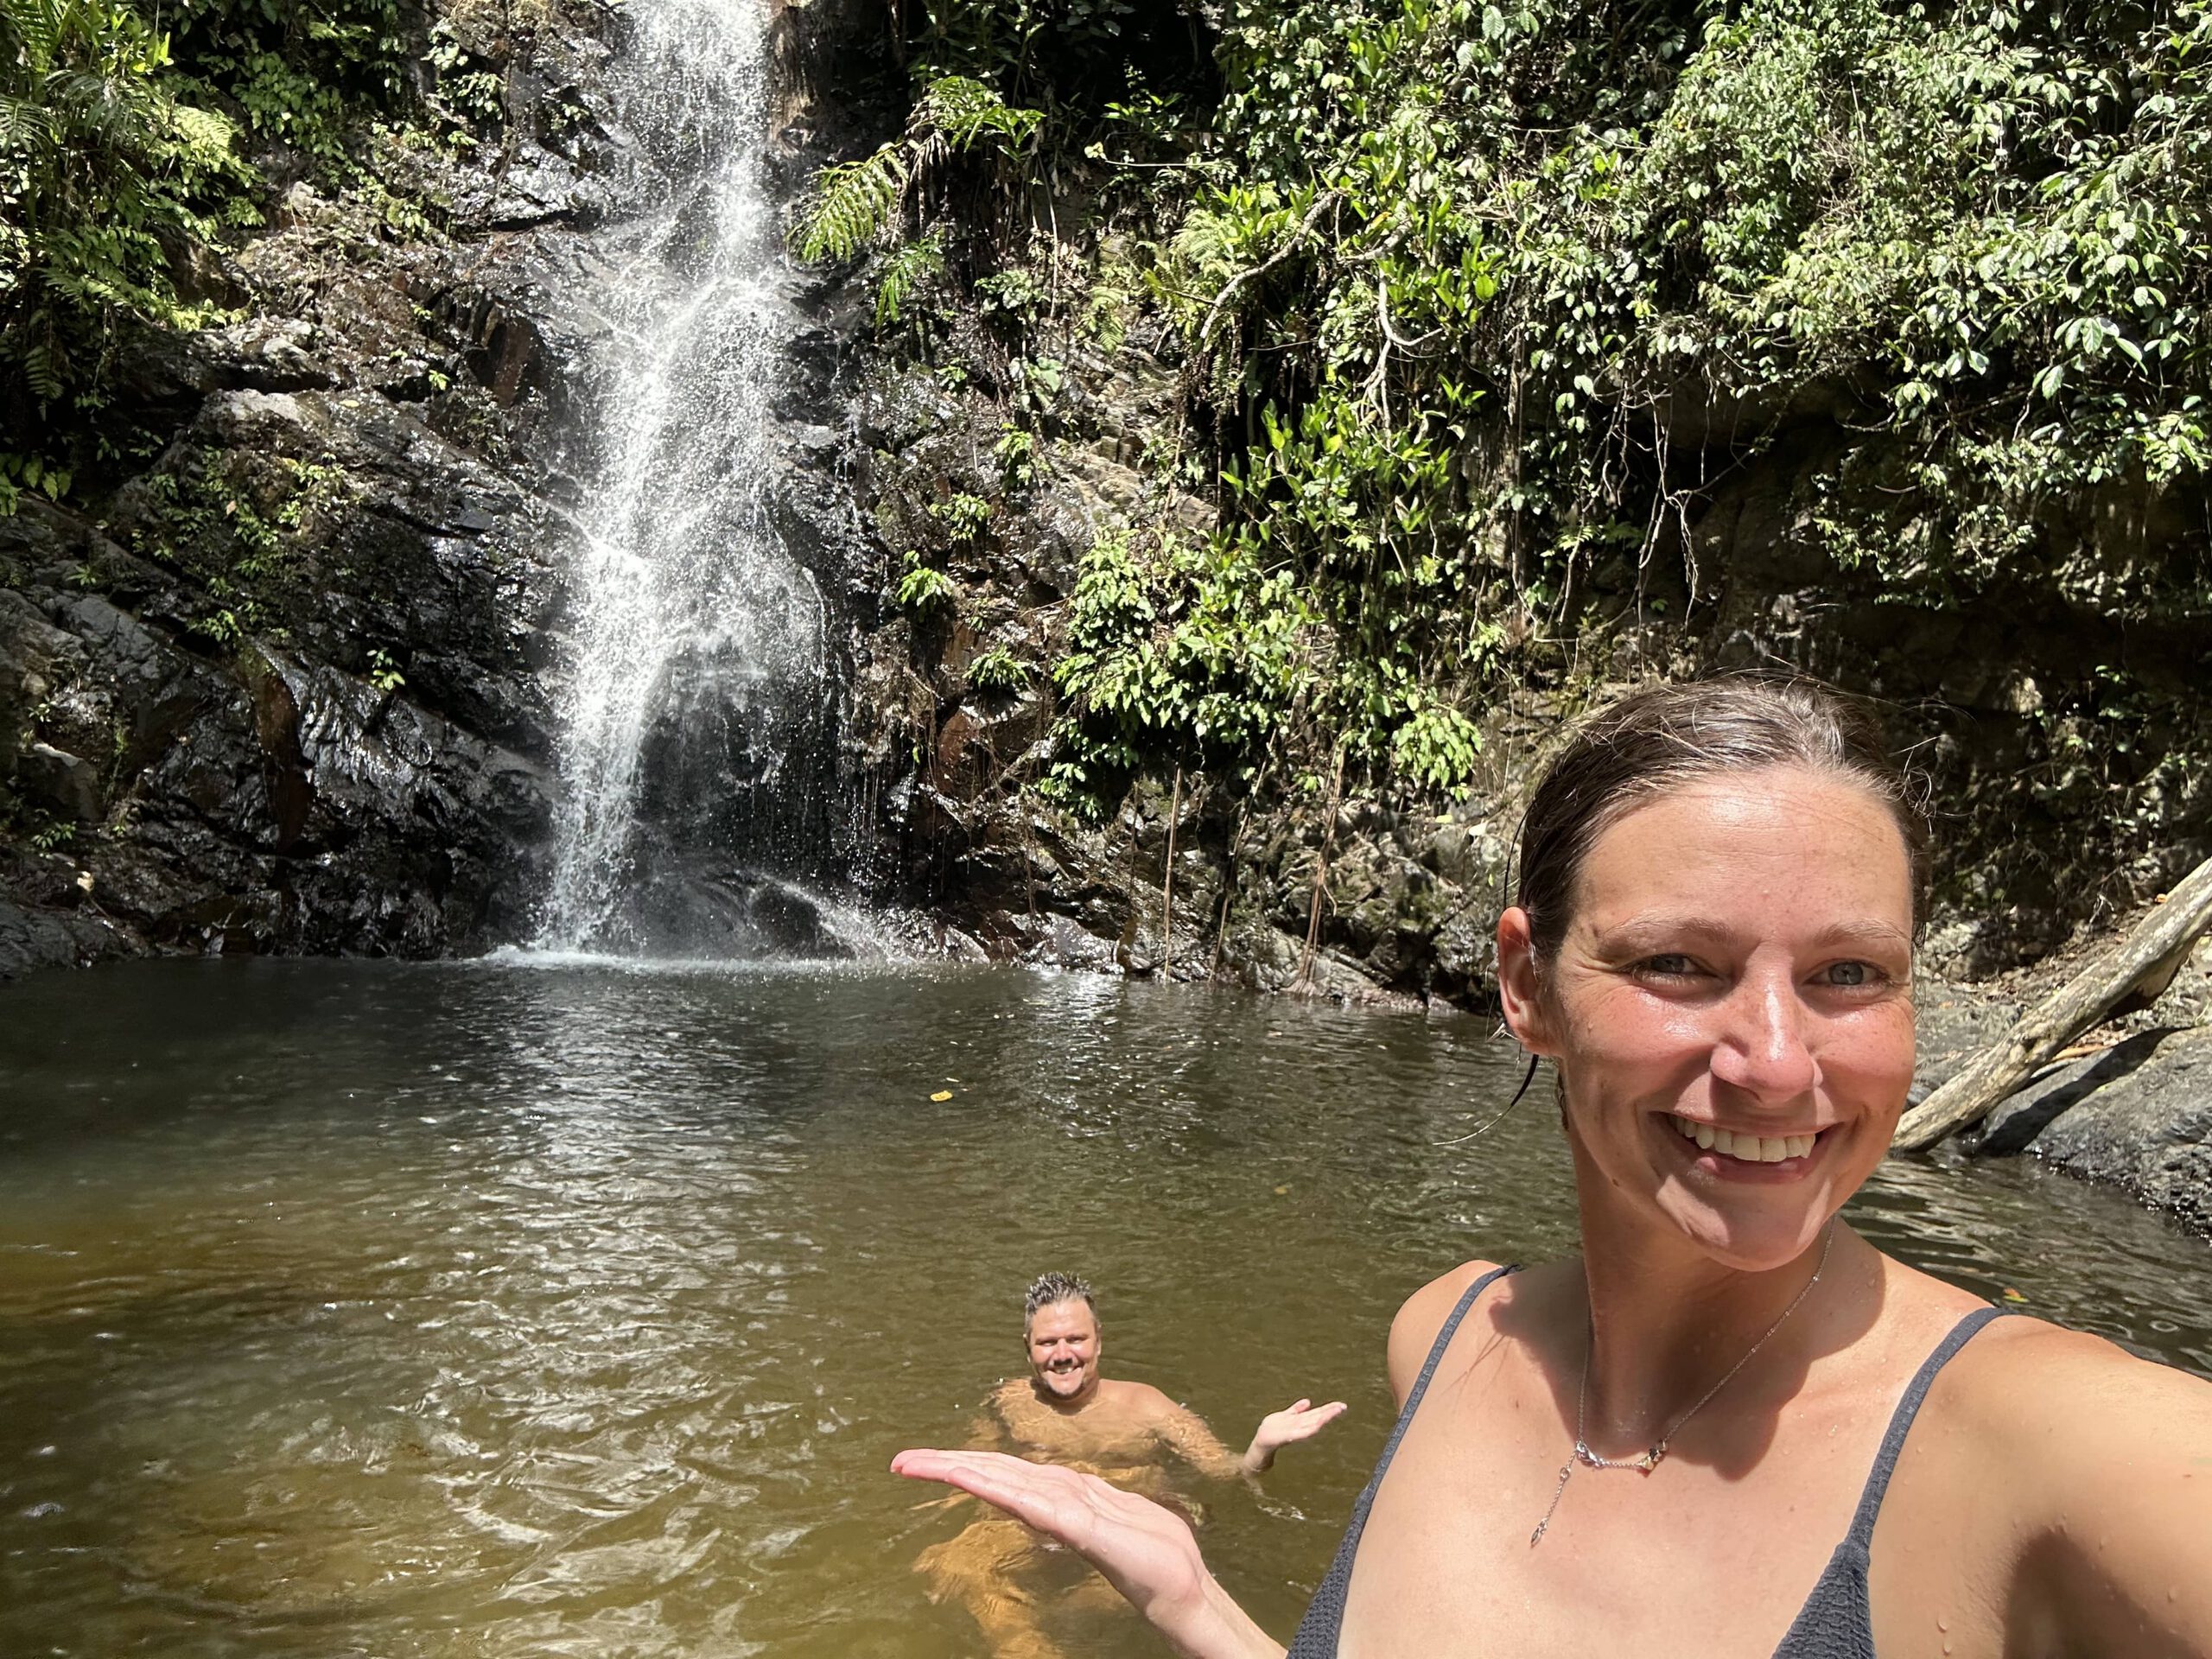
{"points": [[1566, 1472], [1644, 1463]]}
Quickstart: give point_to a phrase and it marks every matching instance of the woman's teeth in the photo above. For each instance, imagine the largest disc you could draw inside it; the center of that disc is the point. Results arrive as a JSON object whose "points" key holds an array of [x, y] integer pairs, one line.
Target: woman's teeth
{"points": [[1746, 1149]]}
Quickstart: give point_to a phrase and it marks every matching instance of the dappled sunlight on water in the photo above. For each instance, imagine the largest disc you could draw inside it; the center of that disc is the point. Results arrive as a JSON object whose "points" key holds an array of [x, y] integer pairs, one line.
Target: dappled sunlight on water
{"points": [[480, 1310]]}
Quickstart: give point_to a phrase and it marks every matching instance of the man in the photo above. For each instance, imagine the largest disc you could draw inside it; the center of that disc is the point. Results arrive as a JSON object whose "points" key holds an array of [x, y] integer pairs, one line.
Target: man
{"points": [[1065, 1411]]}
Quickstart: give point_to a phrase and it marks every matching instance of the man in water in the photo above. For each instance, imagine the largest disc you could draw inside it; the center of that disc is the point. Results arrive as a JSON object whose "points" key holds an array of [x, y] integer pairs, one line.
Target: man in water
{"points": [[1065, 1411]]}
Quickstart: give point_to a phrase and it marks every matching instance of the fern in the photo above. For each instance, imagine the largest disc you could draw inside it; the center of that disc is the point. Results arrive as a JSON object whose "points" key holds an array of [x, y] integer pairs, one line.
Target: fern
{"points": [[100, 163], [857, 203], [853, 202], [904, 271], [962, 110]]}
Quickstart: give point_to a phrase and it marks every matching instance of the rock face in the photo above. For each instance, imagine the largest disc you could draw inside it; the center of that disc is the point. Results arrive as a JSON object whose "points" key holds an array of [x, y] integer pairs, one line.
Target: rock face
{"points": [[283, 692], [2137, 1115], [997, 460], [956, 695], [282, 697], [289, 685]]}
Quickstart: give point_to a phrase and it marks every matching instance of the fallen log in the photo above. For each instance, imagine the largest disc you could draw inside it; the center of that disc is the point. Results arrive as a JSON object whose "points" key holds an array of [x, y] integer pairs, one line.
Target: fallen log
{"points": [[2141, 965]]}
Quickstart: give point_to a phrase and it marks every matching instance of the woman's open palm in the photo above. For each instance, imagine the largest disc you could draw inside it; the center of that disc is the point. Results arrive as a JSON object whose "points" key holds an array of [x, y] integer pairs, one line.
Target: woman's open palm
{"points": [[1146, 1551]]}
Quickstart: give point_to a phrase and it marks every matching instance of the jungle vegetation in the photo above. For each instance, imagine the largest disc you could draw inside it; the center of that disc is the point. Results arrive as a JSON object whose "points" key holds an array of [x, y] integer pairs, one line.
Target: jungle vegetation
{"points": [[1479, 301], [139, 139]]}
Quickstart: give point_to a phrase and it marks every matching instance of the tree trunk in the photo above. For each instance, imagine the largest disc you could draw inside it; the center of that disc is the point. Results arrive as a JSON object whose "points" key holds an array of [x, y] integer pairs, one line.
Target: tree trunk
{"points": [[2144, 963]]}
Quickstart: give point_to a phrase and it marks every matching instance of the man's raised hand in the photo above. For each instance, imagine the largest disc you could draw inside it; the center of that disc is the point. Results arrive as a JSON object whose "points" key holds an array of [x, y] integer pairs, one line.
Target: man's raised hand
{"points": [[1277, 1429]]}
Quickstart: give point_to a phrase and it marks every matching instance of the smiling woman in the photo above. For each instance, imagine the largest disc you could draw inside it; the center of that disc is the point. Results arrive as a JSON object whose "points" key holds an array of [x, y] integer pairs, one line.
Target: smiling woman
{"points": [[1714, 943]]}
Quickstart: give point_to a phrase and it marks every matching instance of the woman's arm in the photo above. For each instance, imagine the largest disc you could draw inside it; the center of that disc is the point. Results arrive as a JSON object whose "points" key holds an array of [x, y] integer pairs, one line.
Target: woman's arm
{"points": [[2109, 1459], [1145, 1551]]}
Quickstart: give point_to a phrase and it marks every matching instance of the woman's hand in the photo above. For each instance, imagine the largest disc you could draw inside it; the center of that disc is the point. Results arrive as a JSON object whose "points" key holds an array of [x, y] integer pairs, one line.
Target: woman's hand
{"points": [[1145, 1551], [1277, 1429]]}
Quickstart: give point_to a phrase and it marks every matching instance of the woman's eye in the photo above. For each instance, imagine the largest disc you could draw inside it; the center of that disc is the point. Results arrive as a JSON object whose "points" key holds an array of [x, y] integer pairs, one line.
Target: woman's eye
{"points": [[1851, 973]]}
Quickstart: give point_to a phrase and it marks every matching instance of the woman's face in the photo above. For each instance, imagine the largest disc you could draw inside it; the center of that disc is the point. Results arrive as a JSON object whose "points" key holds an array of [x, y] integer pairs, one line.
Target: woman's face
{"points": [[1730, 1009]]}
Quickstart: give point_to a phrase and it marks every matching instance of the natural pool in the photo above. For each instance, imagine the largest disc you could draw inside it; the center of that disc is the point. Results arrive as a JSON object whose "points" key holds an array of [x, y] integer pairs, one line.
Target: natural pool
{"points": [[496, 1309]]}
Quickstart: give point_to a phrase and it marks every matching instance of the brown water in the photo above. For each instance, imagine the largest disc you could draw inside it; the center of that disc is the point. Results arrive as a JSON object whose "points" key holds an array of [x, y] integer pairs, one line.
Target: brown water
{"points": [[494, 1310]]}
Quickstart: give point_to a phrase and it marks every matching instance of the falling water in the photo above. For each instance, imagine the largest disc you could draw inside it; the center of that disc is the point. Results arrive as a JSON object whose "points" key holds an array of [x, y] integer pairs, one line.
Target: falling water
{"points": [[696, 710]]}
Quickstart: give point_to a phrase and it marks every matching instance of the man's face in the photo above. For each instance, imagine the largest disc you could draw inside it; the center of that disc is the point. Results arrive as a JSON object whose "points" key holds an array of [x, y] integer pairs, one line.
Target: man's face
{"points": [[1063, 1349]]}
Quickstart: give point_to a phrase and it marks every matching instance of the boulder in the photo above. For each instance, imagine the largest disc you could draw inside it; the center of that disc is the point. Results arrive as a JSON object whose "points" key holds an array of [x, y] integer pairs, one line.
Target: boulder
{"points": [[47, 939], [2138, 1116]]}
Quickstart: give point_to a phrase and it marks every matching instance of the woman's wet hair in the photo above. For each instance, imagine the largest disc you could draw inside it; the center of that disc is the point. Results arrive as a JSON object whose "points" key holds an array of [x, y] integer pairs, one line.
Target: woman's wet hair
{"points": [[1052, 1287], [1667, 736]]}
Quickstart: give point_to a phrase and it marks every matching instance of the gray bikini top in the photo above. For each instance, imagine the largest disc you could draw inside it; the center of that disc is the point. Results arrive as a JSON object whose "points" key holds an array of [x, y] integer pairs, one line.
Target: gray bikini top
{"points": [[1836, 1621]]}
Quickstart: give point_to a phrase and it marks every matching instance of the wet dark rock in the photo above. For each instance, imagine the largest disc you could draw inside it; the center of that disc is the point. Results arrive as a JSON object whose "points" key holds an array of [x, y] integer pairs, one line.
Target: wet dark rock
{"points": [[35, 938], [2138, 1116], [713, 911], [282, 695]]}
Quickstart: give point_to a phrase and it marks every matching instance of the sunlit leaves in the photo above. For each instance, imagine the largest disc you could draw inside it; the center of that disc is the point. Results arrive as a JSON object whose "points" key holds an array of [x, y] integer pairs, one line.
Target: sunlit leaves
{"points": [[101, 161], [858, 203]]}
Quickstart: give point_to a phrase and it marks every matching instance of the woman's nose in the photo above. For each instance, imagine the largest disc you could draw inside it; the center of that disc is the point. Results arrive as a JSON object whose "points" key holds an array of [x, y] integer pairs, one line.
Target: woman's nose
{"points": [[1762, 1049]]}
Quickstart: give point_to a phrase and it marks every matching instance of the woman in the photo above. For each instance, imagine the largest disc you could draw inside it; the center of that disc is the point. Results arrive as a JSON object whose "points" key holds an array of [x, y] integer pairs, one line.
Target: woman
{"points": [[1732, 1425]]}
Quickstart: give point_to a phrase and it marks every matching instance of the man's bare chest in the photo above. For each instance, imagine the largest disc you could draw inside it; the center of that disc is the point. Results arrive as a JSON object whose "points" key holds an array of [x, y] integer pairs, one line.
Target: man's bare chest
{"points": [[1102, 1434]]}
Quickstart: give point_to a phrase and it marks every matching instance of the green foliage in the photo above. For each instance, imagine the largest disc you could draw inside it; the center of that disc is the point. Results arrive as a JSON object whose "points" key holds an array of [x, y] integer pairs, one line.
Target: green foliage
{"points": [[1040, 46], [1174, 646], [1435, 746], [964, 515], [1015, 452], [904, 273], [121, 123], [857, 204], [922, 587], [53, 836], [999, 670], [21, 473], [1992, 224], [103, 166], [1479, 298], [304, 76], [237, 523]]}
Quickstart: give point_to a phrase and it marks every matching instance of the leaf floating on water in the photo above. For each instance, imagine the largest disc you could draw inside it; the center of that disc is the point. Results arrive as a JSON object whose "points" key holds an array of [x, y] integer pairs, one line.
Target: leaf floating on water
{"points": [[942, 1094], [2013, 1295], [1282, 1189]]}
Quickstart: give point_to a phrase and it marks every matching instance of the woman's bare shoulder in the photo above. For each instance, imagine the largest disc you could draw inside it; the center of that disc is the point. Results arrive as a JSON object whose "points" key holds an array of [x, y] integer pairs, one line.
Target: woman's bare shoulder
{"points": [[2099, 1467], [1413, 1332], [2025, 1384]]}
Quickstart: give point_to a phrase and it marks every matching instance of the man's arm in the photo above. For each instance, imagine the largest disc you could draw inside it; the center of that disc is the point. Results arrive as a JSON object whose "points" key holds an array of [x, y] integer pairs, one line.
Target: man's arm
{"points": [[987, 1432], [1185, 1431]]}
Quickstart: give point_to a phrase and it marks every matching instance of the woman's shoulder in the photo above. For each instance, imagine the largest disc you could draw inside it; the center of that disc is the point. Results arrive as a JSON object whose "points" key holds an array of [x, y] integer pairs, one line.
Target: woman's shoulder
{"points": [[2023, 1384], [2085, 1474], [2027, 1385], [1420, 1317]]}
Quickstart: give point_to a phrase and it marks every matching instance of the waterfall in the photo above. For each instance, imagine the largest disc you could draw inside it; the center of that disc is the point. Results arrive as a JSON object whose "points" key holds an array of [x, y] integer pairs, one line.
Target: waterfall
{"points": [[697, 711]]}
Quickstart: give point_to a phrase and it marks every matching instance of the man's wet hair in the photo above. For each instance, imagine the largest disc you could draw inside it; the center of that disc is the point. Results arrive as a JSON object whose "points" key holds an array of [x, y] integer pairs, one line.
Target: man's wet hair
{"points": [[1052, 1287]]}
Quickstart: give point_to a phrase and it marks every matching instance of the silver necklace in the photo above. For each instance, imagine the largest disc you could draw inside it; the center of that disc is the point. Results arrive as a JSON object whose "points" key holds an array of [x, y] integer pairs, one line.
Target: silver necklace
{"points": [[1649, 1458]]}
